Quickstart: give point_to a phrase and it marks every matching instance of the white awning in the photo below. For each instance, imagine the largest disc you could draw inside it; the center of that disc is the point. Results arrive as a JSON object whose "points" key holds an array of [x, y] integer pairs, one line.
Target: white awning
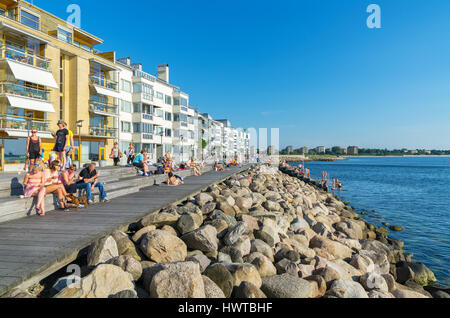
{"points": [[105, 91], [25, 134], [30, 103], [32, 74]]}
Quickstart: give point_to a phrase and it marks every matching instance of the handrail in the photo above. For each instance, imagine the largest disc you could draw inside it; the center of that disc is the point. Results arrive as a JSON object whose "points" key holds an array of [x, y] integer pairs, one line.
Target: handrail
{"points": [[105, 108], [103, 82], [20, 90], [100, 131], [22, 123], [22, 56]]}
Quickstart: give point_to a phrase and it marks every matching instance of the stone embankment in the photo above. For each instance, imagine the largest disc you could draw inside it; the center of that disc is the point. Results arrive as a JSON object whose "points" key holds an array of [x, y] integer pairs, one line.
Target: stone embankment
{"points": [[261, 233], [299, 158]]}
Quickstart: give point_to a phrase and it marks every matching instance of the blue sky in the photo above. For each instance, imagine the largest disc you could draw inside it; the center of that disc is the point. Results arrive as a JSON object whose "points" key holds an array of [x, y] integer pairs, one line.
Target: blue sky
{"points": [[309, 67]]}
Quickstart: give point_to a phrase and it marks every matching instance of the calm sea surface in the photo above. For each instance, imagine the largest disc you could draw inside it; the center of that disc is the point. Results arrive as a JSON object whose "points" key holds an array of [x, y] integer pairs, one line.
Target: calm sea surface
{"points": [[411, 192]]}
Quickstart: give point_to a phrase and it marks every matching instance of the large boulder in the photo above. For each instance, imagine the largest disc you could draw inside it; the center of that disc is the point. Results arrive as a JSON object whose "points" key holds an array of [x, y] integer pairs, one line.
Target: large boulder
{"points": [[178, 280], [374, 281], [350, 228], [329, 249], [201, 260], [286, 286], [269, 232], [422, 274], [235, 233], [102, 251], [203, 198], [244, 203], [244, 272], [137, 237], [188, 222], [226, 208], [125, 245], [264, 266], [342, 288], [104, 281], [220, 275], [248, 290], [211, 289], [159, 219], [161, 247], [263, 248], [129, 265], [204, 239]]}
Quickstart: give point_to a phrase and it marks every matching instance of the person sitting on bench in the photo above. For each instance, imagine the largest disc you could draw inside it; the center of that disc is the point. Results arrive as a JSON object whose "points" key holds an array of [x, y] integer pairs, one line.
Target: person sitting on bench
{"points": [[140, 162], [89, 180]]}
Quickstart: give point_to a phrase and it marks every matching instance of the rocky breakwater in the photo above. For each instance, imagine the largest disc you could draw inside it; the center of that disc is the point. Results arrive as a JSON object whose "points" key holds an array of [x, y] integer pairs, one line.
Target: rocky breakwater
{"points": [[261, 233]]}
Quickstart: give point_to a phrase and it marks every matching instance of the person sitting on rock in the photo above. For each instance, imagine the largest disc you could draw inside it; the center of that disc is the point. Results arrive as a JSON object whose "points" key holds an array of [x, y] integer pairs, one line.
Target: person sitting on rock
{"points": [[218, 167]]}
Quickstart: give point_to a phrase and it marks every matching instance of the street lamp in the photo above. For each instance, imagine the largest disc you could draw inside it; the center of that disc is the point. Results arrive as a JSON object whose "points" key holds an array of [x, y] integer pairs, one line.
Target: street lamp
{"points": [[182, 151], [79, 125]]}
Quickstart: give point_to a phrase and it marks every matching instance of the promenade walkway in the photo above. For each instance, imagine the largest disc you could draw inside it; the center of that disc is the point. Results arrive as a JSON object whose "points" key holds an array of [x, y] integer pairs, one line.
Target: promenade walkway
{"points": [[35, 247]]}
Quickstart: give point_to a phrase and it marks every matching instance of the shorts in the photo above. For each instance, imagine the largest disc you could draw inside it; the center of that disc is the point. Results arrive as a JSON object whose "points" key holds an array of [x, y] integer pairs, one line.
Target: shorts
{"points": [[58, 148], [71, 189], [34, 155], [139, 165]]}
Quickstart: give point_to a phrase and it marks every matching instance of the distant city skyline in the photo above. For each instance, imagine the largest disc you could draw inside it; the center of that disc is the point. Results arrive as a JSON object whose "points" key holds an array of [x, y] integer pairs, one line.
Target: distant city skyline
{"points": [[312, 69]]}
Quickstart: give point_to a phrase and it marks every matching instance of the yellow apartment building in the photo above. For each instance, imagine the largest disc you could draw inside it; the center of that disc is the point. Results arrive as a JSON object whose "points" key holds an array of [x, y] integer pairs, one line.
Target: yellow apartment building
{"points": [[49, 70]]}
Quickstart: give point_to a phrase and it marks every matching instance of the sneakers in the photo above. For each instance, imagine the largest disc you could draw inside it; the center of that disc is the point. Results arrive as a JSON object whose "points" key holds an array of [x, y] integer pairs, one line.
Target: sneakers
{"points": [[105, 200], [90, 202]]}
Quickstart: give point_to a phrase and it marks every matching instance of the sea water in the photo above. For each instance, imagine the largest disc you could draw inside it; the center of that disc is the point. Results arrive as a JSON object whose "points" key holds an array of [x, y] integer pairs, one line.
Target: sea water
{"points": [[413, 192]]}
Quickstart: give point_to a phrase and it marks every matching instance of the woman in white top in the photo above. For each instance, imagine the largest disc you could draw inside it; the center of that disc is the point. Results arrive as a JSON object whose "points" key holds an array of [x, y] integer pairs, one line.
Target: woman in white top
{"points": [[53, 184]]}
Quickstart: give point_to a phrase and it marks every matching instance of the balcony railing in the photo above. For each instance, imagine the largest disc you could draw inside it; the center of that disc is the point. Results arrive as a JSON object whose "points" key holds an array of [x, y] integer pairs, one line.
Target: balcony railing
{"points": [[23, 123], [147, 116], [103, 82], [103, 132], [147, 136], [97, 106], [20, 90], [23, 57]]}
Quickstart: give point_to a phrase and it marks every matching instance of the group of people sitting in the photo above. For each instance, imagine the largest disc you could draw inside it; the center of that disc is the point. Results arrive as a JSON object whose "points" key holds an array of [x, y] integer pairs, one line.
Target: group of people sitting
{"points": [[64, 183]]}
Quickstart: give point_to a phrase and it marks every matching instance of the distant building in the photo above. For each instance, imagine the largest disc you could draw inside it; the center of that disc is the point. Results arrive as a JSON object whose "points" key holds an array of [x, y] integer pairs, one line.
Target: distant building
{"points": [[271, 150], [352, 150], [328, 150], [289, 150], [344, 151], [428, 152], [413, 152], [304, 150], [320, 149]]}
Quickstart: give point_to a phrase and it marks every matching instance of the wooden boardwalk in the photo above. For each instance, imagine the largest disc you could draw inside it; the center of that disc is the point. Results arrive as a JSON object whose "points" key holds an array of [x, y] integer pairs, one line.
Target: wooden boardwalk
{"points": [[35, 247]]}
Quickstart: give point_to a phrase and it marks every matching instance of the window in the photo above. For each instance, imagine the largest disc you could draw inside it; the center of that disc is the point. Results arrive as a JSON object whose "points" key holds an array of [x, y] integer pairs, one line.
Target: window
{"points": [[137, 127], [145, 89], [147, 128], [168, 100], [85, 47], [125, 86], [176, 117], [125, 106], [191, 120], [176, 101], [159, 113], [168, 116], [126, 127], [29, 19], [137, 108], [159, 131], [183, 101], [64, 35], [2, 12], [159, 95], [168, 132]]}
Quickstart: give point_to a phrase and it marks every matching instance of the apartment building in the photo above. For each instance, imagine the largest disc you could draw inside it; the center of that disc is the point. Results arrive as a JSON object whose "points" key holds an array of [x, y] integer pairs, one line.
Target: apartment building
{"points": [[49, 70]]}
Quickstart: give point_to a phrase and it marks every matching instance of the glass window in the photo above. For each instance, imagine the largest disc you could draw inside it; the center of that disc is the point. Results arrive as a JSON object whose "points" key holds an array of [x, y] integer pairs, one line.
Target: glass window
{"points": [[168, 116], [176, 117], [137, 87], [86, 47], [15, 150], [159, 131], [168, 132], [29, 19], [176, 101], [126, 127], [159, 95], [76, 43], [183, 101], [125, 86], [125, 106], [2, 12], [159, 113], [136, 107], [168, 100], [64, 35], [137, 127], [147, 128]]}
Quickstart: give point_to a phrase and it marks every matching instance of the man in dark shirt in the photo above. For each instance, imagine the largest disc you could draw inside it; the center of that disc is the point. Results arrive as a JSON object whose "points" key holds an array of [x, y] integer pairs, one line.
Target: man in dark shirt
{"points": [[89, 181]]}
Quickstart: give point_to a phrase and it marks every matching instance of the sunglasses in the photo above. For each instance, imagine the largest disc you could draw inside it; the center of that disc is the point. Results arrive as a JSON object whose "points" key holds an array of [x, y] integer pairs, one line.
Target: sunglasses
{"points": [[34, 132]]}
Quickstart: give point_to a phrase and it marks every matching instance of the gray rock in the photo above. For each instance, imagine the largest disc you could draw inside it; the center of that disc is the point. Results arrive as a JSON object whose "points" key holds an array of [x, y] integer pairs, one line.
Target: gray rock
{"points": [[346, 289], [248, 290], [263, 248], [161, 247], [128, 264], [211, 289], [220, 275], [204, 239], [125, 294], [203, 198], [102, 251], [286, 286], [235, 233], [201, 260]]}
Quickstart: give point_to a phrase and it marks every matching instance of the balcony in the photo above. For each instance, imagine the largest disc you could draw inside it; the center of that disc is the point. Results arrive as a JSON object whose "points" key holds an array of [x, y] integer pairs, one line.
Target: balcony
{"points": [[24, 58], [95, 80], [24, 91], [23, 123], [103, 108], [103, 132], [147, 116]]}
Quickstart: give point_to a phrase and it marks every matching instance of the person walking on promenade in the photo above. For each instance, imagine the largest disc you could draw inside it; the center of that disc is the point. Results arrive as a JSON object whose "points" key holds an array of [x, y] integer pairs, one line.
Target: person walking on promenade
{"points": [[116, 154], [53, 184], [131, 152], [61, 142], [34, 146], [89, 181], [35, 187], [140, 162]]}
